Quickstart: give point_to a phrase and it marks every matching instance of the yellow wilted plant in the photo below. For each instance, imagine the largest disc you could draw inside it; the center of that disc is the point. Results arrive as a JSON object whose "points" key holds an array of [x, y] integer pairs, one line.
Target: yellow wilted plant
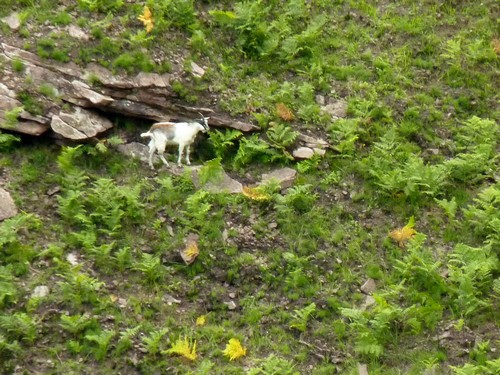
{"points": [[402, 235], [184, 348], [191, 251], [255, 194], [234, 350], [284, 112], [201, 320], [147, 19]]}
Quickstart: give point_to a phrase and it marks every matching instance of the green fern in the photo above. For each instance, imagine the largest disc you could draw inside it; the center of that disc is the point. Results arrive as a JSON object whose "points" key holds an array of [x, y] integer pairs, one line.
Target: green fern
{"points": [[281, 136], [211, 171], [152, 343], [80, 288], [471, 274], [252, 149], [10, 227], [273, 365], [102, 339], [19, 326], [65, 160], [224, 142], [76, 324], [150, 265], [7, 141], [8, 347], [8, 289], [301, 317], [125, 341], [449, 207]]}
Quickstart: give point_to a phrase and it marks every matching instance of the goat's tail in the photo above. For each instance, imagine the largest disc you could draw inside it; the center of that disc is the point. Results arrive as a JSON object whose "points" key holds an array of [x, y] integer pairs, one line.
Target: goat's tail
{"points": [[147, 134]]}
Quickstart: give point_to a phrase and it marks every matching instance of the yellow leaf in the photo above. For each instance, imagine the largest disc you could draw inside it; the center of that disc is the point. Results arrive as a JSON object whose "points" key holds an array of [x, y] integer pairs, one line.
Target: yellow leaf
{"points": [[402, 235], [147, 19], [201, 320], [191, 251], [184, 348], [234, 350], [255, 194]]}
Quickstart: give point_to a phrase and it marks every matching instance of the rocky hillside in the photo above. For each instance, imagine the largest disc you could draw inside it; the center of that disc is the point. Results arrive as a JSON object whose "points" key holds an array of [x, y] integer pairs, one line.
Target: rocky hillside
{"points": [[341, 215]]}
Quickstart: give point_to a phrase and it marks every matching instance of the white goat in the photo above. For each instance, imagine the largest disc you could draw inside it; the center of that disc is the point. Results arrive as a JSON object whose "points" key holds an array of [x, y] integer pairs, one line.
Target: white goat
{"points": [[174, 133]]}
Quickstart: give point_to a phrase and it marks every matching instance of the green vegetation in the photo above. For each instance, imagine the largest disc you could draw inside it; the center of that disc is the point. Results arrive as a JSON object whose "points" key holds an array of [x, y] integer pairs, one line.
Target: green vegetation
{"points": [[279, 272]]}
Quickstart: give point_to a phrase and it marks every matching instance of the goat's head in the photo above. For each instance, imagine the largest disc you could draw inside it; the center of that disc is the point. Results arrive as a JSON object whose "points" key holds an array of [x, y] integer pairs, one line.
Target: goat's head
{"points": [[204, 122]]}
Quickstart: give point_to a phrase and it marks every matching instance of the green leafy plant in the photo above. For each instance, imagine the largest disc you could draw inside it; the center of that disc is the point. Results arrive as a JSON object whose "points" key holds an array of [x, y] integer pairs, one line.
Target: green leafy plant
{"points": [[19, 326], [301, 317], [8, 290], [7, 141], [102, 340], [224, 142], [125, 341], [76, 324], [79, 288], [152, 343], [150, 265], [102, 6]]}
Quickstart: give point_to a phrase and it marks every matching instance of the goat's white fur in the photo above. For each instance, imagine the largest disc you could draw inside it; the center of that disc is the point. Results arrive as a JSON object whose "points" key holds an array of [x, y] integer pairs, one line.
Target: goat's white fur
{"points": [[174, 133]]}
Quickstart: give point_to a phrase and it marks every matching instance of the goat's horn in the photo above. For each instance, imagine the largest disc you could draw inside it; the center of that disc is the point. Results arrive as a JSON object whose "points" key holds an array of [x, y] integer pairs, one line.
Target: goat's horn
{"points": [[201, 115]]}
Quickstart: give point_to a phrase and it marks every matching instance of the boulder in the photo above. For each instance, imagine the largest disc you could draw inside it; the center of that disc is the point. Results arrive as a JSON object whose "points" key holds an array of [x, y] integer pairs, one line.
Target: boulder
{"points": [[13, 21], [77, 33], [369, 286], [83, 91], [284, 176], [8, 208], [336, 109], [40, 291], [136, 150], [79, 125], [223, 184], [303, 153]]}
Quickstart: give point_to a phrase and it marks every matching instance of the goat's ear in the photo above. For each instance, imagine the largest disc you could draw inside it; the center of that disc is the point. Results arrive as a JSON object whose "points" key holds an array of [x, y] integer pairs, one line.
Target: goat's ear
{"points": [[207, 118]]}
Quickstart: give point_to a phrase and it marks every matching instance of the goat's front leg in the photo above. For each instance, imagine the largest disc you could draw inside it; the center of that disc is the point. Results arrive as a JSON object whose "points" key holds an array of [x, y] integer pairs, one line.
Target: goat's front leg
{"points": [[188, 150], [164, 160], [181, 149]]}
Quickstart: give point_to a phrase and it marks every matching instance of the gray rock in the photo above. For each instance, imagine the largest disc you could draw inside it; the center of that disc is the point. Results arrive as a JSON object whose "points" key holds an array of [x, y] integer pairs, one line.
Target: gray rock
{"points": [[8, 208], [231, 305], [135, 150], [224, 184], [81, 124], [40, 291], [320, 99], [152, 80], [369, 301], [30, 128], [337, 109], [319, 151], [284, 176], [197, 70], [303, 153], [362, 369], [13, 21], [369, 286], [72, 259], [308, 141], [83, 91], [77, 33]]}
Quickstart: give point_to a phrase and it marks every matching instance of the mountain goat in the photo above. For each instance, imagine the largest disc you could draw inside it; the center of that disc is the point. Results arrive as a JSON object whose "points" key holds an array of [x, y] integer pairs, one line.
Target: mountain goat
{"points": [[174, 133]]}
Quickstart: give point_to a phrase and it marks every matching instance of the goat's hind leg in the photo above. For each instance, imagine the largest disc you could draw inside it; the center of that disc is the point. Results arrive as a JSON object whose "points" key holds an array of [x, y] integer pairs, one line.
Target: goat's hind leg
{"points": [[181, 149], [188, 150], [152, 149]]}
